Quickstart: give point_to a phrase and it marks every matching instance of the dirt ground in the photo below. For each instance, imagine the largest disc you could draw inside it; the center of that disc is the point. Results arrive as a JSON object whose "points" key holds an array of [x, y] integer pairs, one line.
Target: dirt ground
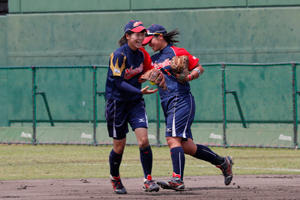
{"points": [[203, 187]]}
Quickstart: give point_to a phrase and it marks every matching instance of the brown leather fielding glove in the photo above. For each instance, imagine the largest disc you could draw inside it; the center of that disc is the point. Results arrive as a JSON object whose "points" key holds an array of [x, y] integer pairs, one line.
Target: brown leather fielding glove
{"points": [[180, 67], [155, 76]]}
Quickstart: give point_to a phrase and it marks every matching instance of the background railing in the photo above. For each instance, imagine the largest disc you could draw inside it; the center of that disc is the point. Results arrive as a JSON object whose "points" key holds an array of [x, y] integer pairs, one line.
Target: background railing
{"points": [[253, 86]]}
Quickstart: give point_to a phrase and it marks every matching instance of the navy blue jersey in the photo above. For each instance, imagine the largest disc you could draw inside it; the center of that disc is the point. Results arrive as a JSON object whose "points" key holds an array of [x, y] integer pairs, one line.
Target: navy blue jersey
{"points": [[161, 60], [177, 101], [127, 65]]}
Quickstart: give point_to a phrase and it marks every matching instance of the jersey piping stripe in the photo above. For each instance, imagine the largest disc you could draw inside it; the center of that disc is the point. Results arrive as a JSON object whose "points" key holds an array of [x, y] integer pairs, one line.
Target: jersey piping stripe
{"points": [[173, 50], [173, 123], [146, 119], [191, 108]]}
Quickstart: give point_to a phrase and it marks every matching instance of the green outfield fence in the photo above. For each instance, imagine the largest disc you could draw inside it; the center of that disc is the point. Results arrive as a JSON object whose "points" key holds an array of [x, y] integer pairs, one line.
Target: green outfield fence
{"points": [[238, 104]]}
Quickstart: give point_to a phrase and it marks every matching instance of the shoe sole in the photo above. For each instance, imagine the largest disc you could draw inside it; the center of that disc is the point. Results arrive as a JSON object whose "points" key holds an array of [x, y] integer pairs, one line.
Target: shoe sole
{"points": [[165, 186], [120, 192], [152, 190], [228, 179]]}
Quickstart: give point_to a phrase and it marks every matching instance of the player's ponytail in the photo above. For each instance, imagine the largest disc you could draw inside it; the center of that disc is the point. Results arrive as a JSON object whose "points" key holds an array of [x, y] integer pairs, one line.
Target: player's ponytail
{"points": [[171, 36], [123, 39]]}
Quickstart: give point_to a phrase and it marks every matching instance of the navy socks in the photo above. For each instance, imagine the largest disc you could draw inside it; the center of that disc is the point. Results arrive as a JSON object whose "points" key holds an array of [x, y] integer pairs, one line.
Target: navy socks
{"points": [[146, 160], [205, 153], [178, 161], [114, 163], [145, 156]]}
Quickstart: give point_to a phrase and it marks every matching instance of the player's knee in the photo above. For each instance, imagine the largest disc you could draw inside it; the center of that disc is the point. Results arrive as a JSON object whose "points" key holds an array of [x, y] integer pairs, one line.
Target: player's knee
{"points": [[119, 149], [119, 146], [173, 142], [143, 142]]}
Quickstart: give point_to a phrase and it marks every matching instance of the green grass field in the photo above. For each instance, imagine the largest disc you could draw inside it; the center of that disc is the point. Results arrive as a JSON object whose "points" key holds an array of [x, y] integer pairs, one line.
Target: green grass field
{"points": [[18, 162]]}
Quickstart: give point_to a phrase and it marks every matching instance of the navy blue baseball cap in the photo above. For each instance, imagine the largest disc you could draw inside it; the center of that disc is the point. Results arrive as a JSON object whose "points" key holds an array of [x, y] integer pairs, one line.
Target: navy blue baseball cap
{"points": [[154, 29], [135, 26]]}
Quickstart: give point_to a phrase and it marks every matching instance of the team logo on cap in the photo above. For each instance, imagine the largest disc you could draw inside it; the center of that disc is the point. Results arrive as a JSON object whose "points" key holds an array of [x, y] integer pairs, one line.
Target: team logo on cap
{"points": [[137, 23]]}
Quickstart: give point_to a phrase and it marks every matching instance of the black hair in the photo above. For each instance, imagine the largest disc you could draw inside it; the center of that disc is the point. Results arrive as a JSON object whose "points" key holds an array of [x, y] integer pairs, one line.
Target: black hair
{"points": [[123, 39], [171, 36]]}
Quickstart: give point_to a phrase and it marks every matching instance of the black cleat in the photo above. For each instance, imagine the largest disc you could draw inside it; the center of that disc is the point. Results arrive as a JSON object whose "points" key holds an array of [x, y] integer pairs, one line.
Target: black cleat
{"points": [[117, 185], [172, 184], [226, 168], [150, 186]]}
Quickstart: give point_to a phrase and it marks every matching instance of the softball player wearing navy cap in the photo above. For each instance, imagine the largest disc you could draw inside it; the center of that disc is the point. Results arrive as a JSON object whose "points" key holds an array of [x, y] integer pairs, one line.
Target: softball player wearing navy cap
{"points": [[179, 108], [125, 103]]}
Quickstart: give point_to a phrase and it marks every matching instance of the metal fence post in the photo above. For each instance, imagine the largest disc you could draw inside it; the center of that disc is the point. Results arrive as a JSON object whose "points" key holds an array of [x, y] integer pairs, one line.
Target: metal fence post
{"points": [[34, 87], [224, 104], [295, 107]]}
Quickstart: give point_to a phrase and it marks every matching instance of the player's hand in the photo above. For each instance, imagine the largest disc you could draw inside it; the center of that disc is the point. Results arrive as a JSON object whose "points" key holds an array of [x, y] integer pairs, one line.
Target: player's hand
{"points": [[146, 90], [182, 78]]}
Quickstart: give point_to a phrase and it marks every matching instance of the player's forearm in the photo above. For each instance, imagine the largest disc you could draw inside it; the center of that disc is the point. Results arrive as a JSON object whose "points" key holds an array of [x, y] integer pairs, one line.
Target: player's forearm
{"points": [[196, 72], [123, 85]]}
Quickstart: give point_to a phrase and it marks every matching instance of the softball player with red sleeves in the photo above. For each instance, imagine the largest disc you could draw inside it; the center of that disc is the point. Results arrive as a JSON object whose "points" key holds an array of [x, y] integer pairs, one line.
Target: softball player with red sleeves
{"points": [[125, 103], [179, 108]]}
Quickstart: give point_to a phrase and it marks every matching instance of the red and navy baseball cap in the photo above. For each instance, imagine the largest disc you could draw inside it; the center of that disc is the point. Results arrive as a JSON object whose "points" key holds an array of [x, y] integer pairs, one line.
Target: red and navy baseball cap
{"points": [[154, 29], [135, 26]]}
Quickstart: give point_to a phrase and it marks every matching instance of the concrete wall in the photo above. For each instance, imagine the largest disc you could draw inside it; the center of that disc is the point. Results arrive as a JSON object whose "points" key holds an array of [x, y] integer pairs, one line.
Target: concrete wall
{"points": [[233, 32], [3, 41], [42, 6], [3, 75]]}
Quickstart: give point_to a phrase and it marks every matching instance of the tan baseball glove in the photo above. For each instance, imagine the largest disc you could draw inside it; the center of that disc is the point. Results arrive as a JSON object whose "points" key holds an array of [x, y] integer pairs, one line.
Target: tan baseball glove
{"points": [[180, 67], [155, 76]]}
